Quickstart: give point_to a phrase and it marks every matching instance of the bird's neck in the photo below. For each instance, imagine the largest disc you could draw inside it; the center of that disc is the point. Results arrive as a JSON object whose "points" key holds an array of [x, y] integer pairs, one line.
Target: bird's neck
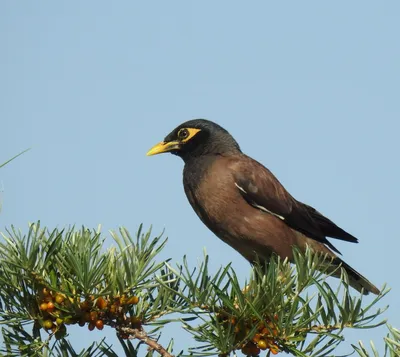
{"points": [[196, 167]]}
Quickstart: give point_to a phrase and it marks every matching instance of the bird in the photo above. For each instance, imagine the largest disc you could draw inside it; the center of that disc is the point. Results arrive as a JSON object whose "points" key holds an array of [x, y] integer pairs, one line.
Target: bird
{"points": [[245, 205]]}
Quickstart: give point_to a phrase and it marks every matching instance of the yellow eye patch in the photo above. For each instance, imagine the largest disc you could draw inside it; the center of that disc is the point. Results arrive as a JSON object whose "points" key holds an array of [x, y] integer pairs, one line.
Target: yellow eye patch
{"points": [[185, 134]]}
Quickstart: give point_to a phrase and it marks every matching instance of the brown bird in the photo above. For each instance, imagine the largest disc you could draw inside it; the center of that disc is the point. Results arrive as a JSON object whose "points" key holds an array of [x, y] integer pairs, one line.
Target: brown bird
{"points": [[244, 204]]}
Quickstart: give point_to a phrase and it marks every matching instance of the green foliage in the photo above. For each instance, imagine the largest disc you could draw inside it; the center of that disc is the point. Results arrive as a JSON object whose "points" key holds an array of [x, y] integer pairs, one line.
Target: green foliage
{"points": [[277, 297], [392, 345], [14, 157], [50, 279], [70, 270], [8, 161]]}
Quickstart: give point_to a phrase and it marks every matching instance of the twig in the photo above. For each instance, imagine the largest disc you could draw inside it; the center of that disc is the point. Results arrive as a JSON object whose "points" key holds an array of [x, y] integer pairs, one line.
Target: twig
{"points": [[323, 328], [142, 336]]}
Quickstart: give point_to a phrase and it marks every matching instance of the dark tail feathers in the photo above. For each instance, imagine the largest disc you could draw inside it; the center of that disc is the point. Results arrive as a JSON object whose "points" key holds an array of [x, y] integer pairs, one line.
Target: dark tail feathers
{"points": [[356, 280]]}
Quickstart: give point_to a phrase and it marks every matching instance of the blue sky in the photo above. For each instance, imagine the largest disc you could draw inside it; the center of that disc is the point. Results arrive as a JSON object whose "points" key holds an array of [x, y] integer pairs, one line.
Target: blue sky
{"points": [[310, 89]]}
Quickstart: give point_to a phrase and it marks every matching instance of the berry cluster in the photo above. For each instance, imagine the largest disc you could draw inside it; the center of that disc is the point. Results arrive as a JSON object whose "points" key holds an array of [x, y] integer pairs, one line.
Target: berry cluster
{"points": [[263, 338], [57, 311]]}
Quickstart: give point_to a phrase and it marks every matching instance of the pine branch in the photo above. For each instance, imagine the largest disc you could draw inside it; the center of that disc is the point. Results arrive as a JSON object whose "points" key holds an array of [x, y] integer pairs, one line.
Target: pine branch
{"points": [[141, 335], [62, 277]]}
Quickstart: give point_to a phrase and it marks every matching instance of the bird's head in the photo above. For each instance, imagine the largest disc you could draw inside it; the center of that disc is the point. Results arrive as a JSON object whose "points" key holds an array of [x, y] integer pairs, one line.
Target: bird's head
{"points": [[195, 138]]}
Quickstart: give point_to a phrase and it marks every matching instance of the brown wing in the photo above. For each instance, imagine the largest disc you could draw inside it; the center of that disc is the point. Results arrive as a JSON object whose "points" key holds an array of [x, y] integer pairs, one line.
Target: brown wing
{"points": [[261, 189]]}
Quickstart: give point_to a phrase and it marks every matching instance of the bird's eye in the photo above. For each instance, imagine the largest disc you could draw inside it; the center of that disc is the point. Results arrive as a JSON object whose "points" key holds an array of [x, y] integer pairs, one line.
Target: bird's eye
{"points": [[183, 134]]}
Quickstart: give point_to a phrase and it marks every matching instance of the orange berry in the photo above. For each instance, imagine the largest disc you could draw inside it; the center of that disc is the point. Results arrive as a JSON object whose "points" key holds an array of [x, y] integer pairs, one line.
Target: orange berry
{"points": [[265, 331], [59, 321], [274, 349], [133, 300], [93, 315], [101, 303], [113, 309], [48, 324], [262, 344], [50, 306], [91, 326], [99, 324], [43, 306], [123, 300], [59, 299], [256, 338], [46, 292]]}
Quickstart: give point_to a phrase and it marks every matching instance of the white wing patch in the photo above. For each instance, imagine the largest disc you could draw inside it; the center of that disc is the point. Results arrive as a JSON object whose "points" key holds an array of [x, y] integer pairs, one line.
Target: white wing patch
{"points": [[240, 188], [262, 208]]}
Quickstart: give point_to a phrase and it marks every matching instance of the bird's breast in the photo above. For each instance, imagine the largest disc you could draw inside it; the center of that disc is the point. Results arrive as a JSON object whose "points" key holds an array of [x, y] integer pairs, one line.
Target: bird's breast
{"points": [[213, 196], [220, 206]]}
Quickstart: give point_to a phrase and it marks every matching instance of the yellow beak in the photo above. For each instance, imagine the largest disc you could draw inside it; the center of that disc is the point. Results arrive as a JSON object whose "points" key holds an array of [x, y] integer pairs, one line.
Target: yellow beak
{"points": [[163, 147]]}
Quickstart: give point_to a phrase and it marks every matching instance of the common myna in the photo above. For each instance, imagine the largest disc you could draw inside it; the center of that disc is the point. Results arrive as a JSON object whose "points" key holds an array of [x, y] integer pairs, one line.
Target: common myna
{"points": [[244, 204]]}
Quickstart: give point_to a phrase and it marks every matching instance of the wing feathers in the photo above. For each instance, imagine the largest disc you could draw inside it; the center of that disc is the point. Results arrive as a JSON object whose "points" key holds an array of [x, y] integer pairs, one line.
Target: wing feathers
{"points": [[266, 193], [329, 228], [254, 204]]}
